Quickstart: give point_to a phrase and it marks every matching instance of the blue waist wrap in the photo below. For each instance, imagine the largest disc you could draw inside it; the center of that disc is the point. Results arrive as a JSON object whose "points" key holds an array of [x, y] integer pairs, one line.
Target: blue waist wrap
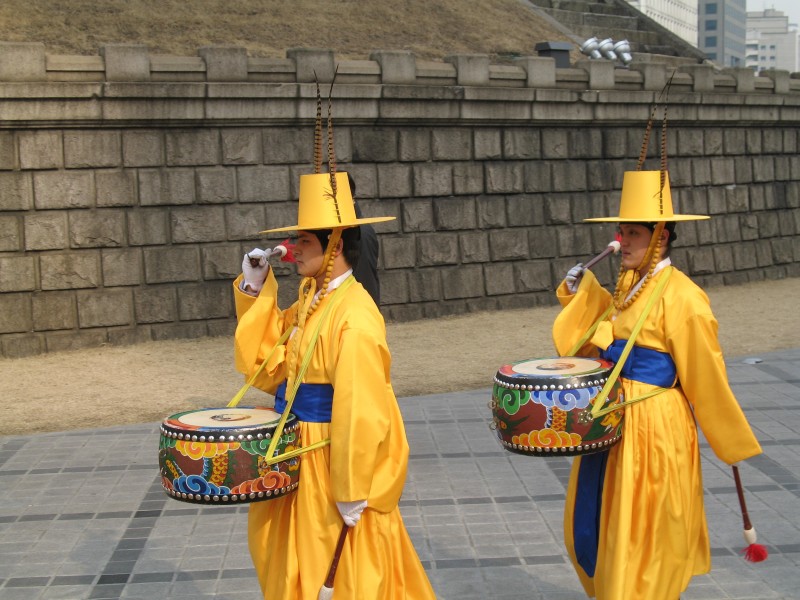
{"points": [[313, 402], [643, 364]]}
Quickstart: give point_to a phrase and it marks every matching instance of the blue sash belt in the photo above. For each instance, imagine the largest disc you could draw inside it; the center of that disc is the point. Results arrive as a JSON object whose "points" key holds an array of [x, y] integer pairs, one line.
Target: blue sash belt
{"points": [[586, 512], [644, 365], [313, 402]]}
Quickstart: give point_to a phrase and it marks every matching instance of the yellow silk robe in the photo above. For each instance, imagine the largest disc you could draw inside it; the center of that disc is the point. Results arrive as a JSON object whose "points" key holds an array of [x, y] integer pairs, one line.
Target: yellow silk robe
{"points": [[653, 533], [292, 538]]}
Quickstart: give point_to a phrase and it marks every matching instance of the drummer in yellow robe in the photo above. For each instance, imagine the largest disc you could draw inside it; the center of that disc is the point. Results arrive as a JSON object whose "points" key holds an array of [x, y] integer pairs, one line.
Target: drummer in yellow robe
{"points": [[346, 396], [634, 522]]}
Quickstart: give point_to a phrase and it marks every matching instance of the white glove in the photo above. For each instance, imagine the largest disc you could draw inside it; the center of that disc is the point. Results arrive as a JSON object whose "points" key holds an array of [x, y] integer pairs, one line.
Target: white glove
{"points": [[573, 278], [254, 277], [351, 511]]}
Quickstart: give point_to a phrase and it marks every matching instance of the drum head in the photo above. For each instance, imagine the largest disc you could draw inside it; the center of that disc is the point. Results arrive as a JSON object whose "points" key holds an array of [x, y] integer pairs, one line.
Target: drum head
{"points": [[230, 417], [565, 371], [565, 365], [227, 419]]}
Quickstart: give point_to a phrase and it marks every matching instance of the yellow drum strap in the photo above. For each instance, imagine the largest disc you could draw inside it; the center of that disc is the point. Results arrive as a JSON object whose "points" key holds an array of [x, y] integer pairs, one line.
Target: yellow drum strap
{"points": [[270, 460], [237, 398], [597, 405], [590, 332], [290, 393]]}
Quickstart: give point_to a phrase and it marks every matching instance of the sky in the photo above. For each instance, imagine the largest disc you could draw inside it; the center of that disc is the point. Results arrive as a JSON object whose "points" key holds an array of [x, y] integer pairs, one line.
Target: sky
{"points": [[790, 8]]}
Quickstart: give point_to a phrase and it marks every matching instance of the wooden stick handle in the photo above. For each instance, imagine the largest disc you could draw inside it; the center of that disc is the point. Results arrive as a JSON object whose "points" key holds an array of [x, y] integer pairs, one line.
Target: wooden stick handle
{"points": [[612, 248], [740, 492], [336, 556]]}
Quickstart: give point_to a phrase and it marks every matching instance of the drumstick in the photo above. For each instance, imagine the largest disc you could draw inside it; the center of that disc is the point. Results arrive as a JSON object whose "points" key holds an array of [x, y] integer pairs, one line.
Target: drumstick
{"points": [[612, 248], [326, 591], [279, 249], [754, 552]]}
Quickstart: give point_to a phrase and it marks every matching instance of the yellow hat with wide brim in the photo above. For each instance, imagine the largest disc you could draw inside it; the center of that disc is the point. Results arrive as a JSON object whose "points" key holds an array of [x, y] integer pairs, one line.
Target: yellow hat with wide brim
{"points": [[644, 201], [318, 209]]}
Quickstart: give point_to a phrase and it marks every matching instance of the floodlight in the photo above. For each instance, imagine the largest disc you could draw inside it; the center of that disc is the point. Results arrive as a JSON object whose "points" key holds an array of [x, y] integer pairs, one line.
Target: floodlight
{"points": [[606, 48], [589, 48], [623, 50]]}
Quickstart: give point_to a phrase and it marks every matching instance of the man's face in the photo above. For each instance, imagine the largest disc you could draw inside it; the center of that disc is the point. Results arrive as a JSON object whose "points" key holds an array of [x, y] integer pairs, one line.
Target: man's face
{"points": [[634, 240], [308, 253]]}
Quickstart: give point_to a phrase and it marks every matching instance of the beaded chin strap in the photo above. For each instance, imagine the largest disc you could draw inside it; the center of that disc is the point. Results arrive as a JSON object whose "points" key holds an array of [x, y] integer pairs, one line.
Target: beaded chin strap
{"points": [[309, 301], [628, 278]]}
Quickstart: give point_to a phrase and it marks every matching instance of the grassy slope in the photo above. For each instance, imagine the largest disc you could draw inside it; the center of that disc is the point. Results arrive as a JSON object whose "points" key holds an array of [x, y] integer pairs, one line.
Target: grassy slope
{"points": [[431, 29]]}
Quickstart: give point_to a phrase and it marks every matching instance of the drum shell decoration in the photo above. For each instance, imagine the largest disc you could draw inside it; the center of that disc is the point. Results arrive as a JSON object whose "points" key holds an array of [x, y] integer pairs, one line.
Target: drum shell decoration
{"points": [[226, 464], [537, 406]]}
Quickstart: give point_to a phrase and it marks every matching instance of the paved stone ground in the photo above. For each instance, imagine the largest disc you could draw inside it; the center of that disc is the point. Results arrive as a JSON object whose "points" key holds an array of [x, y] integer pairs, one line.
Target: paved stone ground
{"points": [[82, 514]]}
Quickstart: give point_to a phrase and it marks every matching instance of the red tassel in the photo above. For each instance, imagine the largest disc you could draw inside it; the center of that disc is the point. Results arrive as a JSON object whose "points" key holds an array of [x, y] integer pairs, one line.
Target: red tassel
{"points": [[289, 256], [755, 553]]}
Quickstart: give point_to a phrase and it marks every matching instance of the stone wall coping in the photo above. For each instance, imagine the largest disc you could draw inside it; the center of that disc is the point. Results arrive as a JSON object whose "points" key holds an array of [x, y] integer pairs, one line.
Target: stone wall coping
{"points": [[231, 64]]}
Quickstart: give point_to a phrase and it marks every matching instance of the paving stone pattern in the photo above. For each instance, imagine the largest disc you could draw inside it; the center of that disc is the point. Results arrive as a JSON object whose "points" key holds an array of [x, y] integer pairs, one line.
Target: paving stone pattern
{"points": [[83, 515]]}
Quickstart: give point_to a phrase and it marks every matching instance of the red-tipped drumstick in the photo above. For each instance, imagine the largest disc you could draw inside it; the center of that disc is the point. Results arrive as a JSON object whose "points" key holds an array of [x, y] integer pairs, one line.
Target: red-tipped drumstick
{"points": [[284, 250], [326, 591], [612, 248], [754, 552]]}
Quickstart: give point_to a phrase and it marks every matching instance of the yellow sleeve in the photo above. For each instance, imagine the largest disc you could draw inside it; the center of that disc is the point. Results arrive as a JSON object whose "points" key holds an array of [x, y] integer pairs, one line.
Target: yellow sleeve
{"points": [[369, 451], [695, 349], [260, 325], [579, 312]]}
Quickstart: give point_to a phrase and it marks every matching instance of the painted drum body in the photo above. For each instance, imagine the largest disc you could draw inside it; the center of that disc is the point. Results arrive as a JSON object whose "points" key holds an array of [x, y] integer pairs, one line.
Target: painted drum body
{"points": [[218, 455], [537, 406]]}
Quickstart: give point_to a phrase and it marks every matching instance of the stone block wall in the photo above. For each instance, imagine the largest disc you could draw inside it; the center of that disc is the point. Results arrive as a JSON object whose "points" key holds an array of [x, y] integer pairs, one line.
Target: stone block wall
{"points": [[130, 188]]}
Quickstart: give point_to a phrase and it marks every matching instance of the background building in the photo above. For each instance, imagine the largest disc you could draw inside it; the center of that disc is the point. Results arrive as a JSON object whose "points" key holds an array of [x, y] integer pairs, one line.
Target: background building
{"points": [[679, 16], [722, 28], [772, 42]]}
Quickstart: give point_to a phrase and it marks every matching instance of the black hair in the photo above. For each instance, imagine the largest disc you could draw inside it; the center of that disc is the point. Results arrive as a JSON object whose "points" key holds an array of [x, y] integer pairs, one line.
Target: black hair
{"points": [[668, 226], [351, 237], [352, 183]]}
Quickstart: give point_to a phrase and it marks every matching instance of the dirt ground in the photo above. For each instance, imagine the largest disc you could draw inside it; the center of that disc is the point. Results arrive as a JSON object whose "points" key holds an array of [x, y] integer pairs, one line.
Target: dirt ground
{"points": [[352, 28], [145, 383]]}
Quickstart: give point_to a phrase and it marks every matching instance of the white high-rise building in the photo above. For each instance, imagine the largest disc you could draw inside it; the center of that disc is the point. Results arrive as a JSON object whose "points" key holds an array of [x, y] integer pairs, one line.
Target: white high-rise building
{"points": [[772, 42], [679, 16]]}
